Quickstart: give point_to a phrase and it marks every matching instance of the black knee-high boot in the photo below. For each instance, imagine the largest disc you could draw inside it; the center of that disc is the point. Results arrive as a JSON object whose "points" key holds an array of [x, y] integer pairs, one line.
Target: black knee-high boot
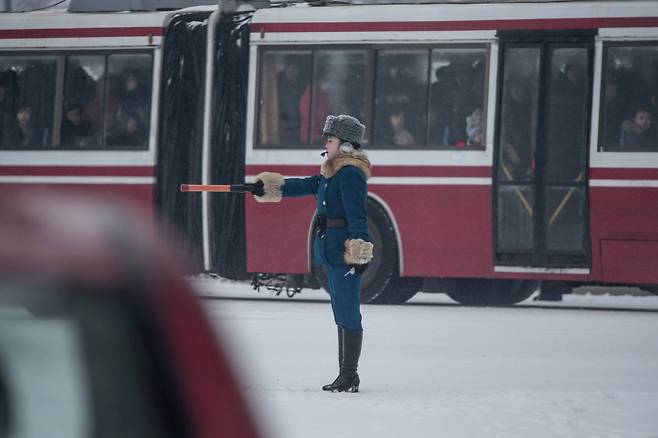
{"points": [[340, 358], [348, 379]]}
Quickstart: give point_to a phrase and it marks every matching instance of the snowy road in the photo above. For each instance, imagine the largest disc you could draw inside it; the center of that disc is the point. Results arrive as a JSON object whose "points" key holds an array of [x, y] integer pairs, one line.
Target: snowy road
{"points": [[447, 371]]}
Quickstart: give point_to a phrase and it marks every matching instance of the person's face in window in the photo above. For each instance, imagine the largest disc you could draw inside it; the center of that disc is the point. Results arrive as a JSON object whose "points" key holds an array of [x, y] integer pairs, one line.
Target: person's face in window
{"points": [[131, 126], [332, 146], [573, 74], [292, 73], [131, 83], [73, 116], [24, 116], [397, 121], [642, 120]]}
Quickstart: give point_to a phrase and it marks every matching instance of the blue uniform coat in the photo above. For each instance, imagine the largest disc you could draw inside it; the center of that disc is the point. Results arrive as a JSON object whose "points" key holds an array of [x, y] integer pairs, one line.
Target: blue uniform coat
{"points": [[341, 191]]}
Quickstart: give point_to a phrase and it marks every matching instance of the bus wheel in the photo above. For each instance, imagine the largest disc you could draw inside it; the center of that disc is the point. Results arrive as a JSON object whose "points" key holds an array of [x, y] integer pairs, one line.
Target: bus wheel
{"points": [[492, 292], [381, 282]]}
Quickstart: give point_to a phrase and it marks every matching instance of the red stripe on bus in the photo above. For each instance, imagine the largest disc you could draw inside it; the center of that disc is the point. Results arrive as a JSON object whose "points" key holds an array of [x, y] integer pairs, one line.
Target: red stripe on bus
{"points": [[84, 32], [388, 171], [411, 26], [623, 173], [433, 171], [77, 171]]}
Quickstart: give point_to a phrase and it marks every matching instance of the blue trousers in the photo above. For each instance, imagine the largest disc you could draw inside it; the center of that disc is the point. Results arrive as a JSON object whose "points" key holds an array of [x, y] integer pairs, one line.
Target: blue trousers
{"points": [[345, 293]]}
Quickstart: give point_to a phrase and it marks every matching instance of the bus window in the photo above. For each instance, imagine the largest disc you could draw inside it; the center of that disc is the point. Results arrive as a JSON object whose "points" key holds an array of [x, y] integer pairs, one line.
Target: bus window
{"points": [[629, 101], [339, 87], [456, 109], [27, 101], [284, 76], [401, 98], [83, 115], [128, 99], [107, 101]]}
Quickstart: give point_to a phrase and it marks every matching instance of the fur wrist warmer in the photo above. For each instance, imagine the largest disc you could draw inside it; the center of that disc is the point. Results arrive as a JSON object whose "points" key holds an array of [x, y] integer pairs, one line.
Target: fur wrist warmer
{"points": [[272, 183], [357, 252]]}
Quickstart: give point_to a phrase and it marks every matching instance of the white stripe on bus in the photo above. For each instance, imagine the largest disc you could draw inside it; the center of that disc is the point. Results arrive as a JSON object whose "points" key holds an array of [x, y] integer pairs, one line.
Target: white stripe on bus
{"points": [[623, 183], [530, 270]]}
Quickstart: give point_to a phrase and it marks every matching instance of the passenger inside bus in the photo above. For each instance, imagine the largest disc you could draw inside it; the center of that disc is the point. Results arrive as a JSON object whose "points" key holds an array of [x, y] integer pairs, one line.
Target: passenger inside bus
{"points": [[128, 110], [87, 94], [76, 132], [474, 128], [312, 117], [27, 134], [134, 95], [130, 132], [638, 131], [291, 83], [400, 135], [464, 102], [401, 86], [570, 80], [441, 103]]}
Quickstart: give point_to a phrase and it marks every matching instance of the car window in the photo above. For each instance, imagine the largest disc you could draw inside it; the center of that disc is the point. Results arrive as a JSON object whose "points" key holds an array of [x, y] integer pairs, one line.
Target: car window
{"points": [[81, 364]]}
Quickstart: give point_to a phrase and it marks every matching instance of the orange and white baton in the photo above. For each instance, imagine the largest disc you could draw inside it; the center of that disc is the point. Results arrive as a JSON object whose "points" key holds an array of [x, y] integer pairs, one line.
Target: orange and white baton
{"points": [[255, 188]]}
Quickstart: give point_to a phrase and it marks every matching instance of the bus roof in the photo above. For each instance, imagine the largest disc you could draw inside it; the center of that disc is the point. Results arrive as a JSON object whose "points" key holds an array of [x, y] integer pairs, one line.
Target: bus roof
{"points": [[422, 21], [57, 28], [456, 11]]}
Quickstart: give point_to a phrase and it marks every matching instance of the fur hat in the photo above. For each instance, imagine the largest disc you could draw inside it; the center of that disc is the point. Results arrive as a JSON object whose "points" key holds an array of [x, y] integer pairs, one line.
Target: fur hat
{"points": [[345, 127]]}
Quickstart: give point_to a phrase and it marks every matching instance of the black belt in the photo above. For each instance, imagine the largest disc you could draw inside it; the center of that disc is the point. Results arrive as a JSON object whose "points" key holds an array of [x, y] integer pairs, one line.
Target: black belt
{"points": [[336, 222], [325, 222]]}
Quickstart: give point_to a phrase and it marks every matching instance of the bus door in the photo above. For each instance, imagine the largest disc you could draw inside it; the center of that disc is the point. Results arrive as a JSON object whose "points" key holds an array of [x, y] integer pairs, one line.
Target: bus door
{"points": [[541, 144]]}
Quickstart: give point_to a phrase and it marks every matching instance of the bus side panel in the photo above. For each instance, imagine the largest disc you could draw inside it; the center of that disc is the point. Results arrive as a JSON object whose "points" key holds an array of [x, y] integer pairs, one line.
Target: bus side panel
{"points": [[624, 214], [277, 235], [445, 230], [633, 261]]}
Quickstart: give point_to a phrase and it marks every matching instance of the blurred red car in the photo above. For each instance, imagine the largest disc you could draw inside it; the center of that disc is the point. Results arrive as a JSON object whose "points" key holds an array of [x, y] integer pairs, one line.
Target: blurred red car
{"points": [[100, 336]]}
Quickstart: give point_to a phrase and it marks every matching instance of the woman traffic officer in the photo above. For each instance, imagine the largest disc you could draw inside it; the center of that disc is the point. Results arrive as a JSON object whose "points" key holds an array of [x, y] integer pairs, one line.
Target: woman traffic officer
{"points": [[342, 243]]}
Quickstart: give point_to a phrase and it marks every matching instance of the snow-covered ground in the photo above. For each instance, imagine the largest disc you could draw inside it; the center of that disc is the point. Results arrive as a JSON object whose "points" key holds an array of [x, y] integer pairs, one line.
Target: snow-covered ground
{"points": [[442, 370]]}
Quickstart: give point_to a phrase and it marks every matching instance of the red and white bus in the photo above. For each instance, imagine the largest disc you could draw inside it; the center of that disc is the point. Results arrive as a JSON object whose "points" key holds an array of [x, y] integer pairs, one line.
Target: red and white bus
{"points": [[92, 101], [512, 143], [66, 82]]}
